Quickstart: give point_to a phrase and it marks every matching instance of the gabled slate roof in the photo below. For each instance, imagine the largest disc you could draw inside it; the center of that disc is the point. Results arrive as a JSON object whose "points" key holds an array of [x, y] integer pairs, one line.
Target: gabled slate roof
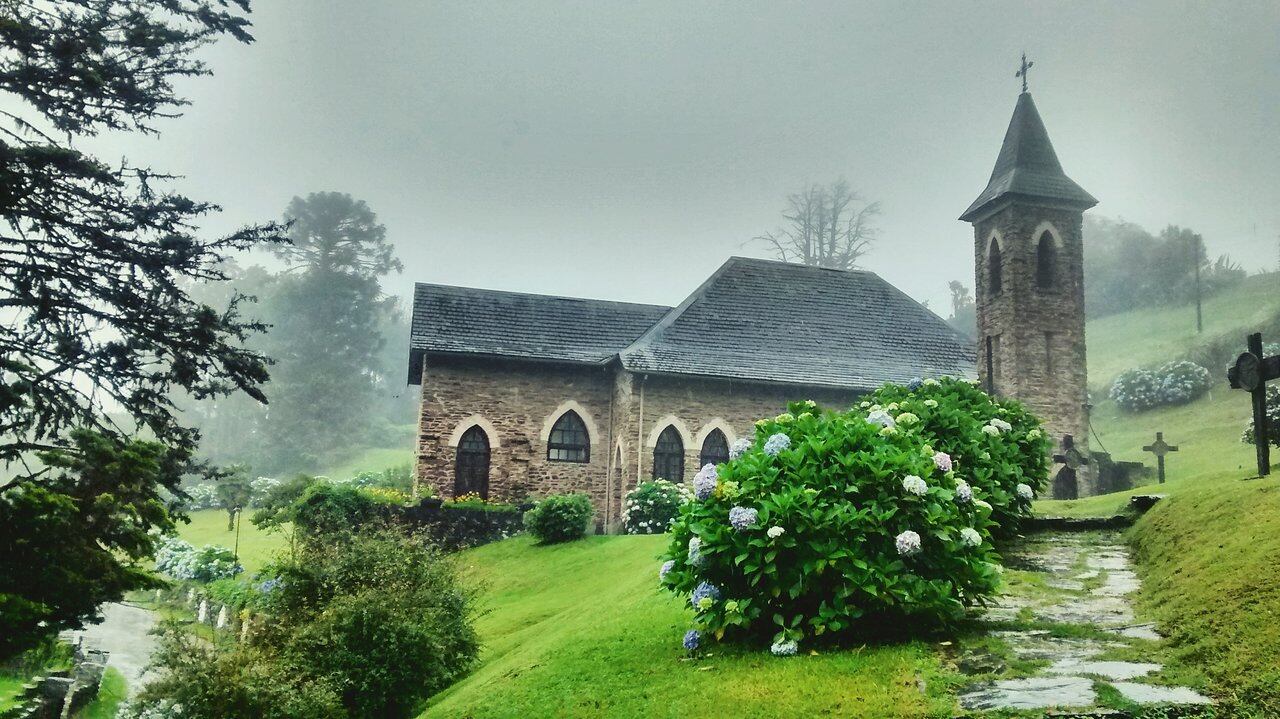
{"points": [[761, 320], [468, 321], [1028, 166]]}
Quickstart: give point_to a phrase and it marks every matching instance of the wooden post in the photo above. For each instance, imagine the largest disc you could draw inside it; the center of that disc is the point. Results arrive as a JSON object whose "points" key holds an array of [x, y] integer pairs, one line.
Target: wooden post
{"points": [[1260, 438]]}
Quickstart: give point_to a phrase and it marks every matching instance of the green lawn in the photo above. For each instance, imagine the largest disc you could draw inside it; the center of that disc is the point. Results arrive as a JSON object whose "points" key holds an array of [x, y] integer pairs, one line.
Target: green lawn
{"points": [[256, 546], [581, 630], [111, 695], [1151, 336], [1208, 560], [10, 687]]}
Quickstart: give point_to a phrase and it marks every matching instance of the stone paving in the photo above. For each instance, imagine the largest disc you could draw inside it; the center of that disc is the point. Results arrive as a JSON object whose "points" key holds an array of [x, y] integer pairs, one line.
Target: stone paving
{"points": [[1063, 636]]}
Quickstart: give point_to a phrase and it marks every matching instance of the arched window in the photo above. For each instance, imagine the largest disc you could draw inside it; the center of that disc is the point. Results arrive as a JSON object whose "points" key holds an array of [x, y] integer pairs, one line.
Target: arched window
{"points": [[471, 470], [715, 449], [994, 271], [668, 456], [1046, 261], [569, 441]]}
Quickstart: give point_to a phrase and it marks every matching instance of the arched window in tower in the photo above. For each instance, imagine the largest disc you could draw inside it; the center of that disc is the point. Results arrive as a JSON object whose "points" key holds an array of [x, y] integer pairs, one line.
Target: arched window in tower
{"points": [[1046, 261], [715, 449], [994, 269], [471, 468], [668, 456], [569, 441]]}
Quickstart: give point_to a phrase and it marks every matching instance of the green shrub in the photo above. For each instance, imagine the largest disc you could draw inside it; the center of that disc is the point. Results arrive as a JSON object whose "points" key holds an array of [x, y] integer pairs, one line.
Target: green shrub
{"points": [[559, 518], [952, 415], [327, 508], [842, 523], [653, 506]]}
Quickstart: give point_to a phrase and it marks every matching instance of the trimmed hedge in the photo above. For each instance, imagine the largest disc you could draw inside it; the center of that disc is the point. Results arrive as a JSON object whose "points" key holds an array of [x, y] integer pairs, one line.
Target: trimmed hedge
{"points": [[559, 518]]}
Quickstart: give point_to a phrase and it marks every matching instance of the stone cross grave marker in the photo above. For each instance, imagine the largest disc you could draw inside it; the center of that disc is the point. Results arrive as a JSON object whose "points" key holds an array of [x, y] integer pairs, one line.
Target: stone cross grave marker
{"points": [[1160, 448], [1065, 483], [1251, 373]]}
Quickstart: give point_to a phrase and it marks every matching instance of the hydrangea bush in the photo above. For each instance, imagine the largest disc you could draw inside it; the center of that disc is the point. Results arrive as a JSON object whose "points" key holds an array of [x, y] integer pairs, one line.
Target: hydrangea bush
{"points": [[833, 523], [1173, 383], [995, 448], [1273, 418], [652, 506], [180, 560]]}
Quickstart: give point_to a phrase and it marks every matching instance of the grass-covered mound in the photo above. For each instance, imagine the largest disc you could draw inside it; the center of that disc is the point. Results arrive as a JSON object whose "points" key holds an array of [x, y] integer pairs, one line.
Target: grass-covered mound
{"points": [[1208, 558], [581, 630]]}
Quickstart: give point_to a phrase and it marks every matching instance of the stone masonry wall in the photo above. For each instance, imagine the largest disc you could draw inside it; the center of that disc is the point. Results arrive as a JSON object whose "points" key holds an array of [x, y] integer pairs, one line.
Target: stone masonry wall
{"points": [[515, 403], [1040, 350]]}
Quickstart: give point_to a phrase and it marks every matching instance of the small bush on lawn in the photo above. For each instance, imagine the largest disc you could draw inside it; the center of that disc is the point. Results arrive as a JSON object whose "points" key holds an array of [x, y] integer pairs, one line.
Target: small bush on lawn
{"points": [[653, 506], [559, 518], [842, 523], [178, 559], [1173, 383], [327, 508]]}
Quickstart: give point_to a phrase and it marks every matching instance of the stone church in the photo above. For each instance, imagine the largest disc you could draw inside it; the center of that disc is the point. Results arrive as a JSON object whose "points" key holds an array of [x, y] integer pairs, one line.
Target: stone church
{"points": [[526, 395]]}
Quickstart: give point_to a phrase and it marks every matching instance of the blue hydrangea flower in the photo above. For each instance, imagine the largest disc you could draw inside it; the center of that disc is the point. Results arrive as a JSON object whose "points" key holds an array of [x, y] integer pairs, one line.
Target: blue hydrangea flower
{"points": [[739, 447], [704, 482], [743, 518], [914, 383], [776, 443], [785, 649], [691, 639], [667, 566], [705, 589]]}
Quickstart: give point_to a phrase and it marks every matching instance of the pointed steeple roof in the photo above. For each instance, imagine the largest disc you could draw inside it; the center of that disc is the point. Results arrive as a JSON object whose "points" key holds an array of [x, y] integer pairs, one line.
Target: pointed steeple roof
{"points": [[1028, 167]]}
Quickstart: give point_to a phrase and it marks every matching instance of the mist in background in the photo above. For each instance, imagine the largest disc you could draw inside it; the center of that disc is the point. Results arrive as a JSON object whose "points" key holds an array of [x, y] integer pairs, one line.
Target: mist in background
{"points": [[623, 151]]}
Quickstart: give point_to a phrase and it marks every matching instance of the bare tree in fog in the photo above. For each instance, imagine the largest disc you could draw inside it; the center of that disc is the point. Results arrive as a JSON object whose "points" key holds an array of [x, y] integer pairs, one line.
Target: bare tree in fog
{"points": [[825, 227]]}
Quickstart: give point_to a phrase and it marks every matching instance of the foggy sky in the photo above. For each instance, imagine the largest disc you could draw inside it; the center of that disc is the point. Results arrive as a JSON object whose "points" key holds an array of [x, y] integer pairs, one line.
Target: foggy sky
{"points": [[624, 150]]}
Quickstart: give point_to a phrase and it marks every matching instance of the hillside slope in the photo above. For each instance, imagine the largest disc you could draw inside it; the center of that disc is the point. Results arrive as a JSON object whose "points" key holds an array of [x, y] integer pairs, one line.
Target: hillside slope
{"points": [[581, 630]]}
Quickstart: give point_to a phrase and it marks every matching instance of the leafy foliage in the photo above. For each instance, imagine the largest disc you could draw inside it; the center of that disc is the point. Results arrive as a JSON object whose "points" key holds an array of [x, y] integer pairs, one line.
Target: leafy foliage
{"points": [[80, 534], [369, 626], [1172, 383], [100, 332], [653, 506], [559, 518], [953, 414], [178, 559], [328, 508], [836, 523]]}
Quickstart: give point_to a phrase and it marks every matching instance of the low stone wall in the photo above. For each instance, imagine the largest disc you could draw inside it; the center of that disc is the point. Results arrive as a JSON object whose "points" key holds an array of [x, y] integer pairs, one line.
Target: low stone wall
{"points": [[62, 694]]}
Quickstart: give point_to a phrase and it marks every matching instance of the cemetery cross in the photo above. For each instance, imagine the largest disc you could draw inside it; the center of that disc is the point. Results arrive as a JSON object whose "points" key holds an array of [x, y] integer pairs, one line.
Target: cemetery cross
{"points": [[1160, 448], [1251, 373]]}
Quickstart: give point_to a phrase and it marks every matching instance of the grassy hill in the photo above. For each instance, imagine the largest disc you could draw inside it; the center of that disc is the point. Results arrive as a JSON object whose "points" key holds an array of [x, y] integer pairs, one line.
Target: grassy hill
{"points": [[581, 630]]}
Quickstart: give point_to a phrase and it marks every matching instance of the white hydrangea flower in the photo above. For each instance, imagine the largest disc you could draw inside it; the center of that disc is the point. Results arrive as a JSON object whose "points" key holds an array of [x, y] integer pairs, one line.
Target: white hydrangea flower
{"points": [[991, 430], [1033, 434], [907, 419], [784, 649], [931, 403], [930, 382], [1025, 492], [775, 532], [864, 404], [914, 485], [1000, 424], [739, 447], [964, 493], [908, 543], [970, 537], [881, 418]]}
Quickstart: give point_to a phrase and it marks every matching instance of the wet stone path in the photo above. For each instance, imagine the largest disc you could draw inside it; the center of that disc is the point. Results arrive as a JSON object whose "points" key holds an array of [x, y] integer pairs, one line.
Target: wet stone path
{"points": [[1063, 635]]}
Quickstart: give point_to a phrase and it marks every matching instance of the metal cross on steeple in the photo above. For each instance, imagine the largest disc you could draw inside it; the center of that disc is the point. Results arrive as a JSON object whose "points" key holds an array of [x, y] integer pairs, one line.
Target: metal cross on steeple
{"points": [[1022, 73]]}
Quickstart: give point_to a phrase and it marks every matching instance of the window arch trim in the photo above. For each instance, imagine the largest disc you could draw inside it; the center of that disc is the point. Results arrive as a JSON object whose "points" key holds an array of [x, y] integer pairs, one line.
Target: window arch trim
{"points": [[475, 420]]}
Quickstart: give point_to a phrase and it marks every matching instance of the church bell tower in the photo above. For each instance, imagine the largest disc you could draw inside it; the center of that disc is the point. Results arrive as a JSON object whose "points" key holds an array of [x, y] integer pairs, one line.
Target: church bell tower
{"points": [[1029, 288]]}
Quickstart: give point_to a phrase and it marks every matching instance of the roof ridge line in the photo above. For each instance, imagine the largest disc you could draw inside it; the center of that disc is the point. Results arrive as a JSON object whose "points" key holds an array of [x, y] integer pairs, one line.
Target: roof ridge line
{"points": [[671, 316], [539, 295]]}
